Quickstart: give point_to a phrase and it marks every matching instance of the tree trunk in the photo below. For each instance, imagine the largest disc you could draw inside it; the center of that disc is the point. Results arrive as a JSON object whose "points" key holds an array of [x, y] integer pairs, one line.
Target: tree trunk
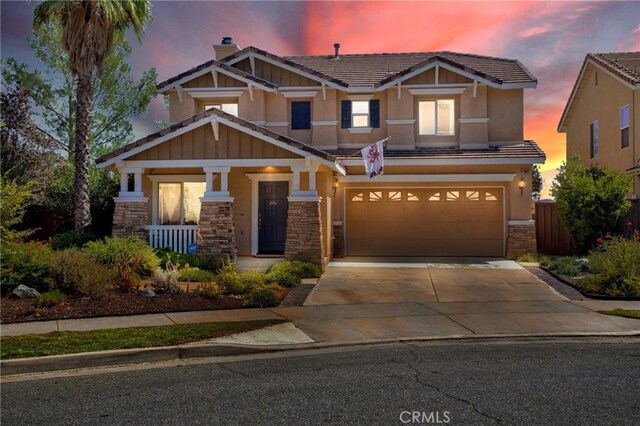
{"points": [[81, 205]]}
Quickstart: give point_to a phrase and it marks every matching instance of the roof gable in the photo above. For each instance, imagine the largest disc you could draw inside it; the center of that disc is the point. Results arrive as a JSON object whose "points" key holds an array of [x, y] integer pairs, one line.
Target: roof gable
{"points": [[625, 67], [211, 118]]}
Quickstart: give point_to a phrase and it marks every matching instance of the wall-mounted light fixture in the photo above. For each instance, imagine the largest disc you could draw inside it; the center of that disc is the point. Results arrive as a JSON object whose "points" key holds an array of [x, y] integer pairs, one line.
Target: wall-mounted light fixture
{"points": [[335, 185], [521, 186]]}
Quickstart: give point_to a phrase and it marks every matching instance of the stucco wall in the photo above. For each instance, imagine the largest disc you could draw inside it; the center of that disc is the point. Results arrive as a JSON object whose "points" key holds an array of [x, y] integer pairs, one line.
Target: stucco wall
{"points": [[505, 110]]}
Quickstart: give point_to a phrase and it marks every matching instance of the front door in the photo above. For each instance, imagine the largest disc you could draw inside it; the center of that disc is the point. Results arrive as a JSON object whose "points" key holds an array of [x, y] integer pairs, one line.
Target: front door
{"points": [[272, 217]]}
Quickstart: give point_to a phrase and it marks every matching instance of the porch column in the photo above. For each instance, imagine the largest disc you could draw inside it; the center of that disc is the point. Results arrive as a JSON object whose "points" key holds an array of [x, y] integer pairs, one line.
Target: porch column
{"points": [[130, 215], [304, 224], [217, 231]]}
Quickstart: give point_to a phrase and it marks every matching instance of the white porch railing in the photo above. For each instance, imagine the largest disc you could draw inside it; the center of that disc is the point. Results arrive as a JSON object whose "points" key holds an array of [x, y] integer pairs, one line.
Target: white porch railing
{"points": [[176, 237]]}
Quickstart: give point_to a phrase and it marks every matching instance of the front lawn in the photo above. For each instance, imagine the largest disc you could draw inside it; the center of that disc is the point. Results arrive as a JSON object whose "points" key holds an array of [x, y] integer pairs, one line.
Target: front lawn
{"points": [[626, 313], [69, 342]]}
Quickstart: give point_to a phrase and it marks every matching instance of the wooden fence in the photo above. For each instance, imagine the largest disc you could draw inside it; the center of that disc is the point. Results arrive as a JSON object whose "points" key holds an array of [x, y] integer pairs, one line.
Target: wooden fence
{"points": [[554, 239]]}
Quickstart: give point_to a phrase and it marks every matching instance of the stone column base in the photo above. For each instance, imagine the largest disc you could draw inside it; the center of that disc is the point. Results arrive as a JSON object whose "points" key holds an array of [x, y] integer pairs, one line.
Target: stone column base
{"points": [[217, 232], [521, 238], [304, 231], [130, 217], [338, 239]]}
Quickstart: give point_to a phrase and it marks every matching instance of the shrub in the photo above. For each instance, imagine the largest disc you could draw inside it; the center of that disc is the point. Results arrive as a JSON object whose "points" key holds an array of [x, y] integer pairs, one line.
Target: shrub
{"points": [[166, 280], [207, 262], [75, 272], [527, 258], [252, 280], [130, 257], [196, 275], [229, 279], [591, 202], [15, 199], [209, 290], [71, 239], [25, 263], [290, 273], [50, 298], [563, 266], [260, 298], [616, 268]]}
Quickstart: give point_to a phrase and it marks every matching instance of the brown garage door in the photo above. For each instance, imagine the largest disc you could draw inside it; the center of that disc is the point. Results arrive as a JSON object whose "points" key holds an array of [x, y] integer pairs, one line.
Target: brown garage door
{"points": [[424, 222]]}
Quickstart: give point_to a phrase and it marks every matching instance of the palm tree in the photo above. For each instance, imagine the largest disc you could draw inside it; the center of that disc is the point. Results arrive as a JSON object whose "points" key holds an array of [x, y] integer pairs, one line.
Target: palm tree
{"points": [[89, 28]]}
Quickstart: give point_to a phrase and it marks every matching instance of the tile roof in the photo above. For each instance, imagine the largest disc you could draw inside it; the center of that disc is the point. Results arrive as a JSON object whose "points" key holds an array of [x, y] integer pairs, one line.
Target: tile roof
{"points": [[625, 65], [376, 69], [526, 149], [379, 68], [219, 64], [244, 123]]}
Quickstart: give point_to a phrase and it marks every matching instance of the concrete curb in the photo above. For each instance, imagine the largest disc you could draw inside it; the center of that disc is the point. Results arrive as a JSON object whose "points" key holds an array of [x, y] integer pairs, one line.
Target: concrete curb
{"points": [[205, 350]]}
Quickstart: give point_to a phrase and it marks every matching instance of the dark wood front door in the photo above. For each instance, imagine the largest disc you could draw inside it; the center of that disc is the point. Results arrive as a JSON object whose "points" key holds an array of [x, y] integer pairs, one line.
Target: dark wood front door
{"points": [[272, 217]]}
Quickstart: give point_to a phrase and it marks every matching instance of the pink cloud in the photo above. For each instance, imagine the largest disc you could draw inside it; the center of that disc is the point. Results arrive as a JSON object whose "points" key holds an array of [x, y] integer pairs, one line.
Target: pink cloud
{"points": [[531, 32]]}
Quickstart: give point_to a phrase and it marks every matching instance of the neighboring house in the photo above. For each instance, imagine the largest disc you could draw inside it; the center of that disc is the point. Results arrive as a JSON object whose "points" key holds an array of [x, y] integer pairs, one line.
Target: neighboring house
{"points": [[602, 114], [263, 157]]}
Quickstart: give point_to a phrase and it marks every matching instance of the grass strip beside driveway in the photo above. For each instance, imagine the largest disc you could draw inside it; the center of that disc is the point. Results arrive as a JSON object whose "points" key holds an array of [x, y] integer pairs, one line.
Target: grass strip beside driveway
{"points": [[627, 313], [70, 342]]}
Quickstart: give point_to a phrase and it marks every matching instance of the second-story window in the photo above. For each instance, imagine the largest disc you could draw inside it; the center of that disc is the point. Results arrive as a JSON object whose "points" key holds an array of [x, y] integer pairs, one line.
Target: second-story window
{"points": [[300, 115], [228, 108], [624, 126], [593, 139], [361, 114], [436, 118]]}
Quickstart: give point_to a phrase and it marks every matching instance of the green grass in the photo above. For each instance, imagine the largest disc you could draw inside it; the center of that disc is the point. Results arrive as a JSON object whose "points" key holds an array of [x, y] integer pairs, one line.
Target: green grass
{"points": [[69, 342], [627, 313]]}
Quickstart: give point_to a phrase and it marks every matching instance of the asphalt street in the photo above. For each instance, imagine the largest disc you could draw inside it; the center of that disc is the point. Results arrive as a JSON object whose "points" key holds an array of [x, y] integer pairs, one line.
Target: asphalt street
{"points": [[538, 382]]}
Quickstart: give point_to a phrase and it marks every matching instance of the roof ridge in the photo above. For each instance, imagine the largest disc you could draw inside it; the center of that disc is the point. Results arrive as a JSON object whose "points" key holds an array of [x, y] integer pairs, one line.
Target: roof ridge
{"points": [[434, 52]]}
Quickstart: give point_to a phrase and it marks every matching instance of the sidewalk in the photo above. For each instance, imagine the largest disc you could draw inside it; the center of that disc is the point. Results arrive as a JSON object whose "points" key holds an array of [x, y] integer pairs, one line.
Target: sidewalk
{"points": [[330, 323]]}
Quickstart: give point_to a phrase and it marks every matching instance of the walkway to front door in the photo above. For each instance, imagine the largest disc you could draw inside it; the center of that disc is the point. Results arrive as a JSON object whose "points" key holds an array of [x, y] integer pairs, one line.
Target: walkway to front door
{"points": [[272, 217]]}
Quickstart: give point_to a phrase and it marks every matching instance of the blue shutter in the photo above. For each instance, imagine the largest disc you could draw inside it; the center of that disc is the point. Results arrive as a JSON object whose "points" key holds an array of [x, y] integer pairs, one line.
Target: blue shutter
{"points": [[346, 114], [374, 112], [300, 115]]}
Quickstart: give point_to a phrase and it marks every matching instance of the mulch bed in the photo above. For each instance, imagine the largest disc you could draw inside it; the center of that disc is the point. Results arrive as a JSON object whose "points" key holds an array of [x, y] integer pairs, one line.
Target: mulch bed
{"points": [[111, 304]]}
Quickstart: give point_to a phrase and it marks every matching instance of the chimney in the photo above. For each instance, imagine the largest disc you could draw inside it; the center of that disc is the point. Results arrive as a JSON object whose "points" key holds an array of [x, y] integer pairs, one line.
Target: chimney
{"points": [[336, 46], [226, 48]]}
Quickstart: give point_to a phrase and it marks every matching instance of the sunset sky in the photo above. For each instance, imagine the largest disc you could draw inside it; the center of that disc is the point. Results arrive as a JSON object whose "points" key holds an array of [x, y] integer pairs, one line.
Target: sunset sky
{"points": [[549, 38]]}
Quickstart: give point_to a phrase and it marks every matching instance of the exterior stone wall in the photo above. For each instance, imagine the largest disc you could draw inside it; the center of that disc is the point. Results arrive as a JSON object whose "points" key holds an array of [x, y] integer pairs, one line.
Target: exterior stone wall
{"points": [[217, 232], [304, 233], [521, 240], [338, 240], [130, 218]]}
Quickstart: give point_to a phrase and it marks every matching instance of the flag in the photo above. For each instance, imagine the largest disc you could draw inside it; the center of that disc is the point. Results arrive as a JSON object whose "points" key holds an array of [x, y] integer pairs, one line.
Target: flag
{"points": [[373, 159]]}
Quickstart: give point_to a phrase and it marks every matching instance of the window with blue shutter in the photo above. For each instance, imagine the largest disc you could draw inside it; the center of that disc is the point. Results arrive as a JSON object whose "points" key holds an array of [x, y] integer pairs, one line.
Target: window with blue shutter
{"points": [[374, 111], [346, 114], [300, 115]]}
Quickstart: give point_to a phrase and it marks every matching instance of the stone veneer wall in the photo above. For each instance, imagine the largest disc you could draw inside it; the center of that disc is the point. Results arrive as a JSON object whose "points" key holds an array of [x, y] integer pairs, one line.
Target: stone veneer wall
{"points": [[521, 240], [130, 218], [338, 240], [304, 232], [217, 232]]}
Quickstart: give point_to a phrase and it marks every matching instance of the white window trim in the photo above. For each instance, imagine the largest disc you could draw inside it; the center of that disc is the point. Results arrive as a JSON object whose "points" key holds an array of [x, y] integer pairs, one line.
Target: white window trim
{"points": [[355, 129], [256, 178], [436, 117], [157, 179], [594, 143]]}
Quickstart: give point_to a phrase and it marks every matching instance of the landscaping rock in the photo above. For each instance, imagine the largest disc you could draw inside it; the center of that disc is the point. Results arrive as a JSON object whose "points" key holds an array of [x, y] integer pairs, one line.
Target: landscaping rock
{"points": [[581, 261], [147, 292], [24, 292]]}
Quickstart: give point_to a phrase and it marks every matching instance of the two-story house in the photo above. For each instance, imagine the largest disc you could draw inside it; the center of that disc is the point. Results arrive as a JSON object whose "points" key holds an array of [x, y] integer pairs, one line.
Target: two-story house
{"points": [[263, 157], [601, 116]]}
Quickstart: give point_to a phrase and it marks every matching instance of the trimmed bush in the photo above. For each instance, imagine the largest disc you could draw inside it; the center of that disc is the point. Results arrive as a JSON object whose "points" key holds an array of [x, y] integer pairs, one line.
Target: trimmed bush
{"points": [[616, 268], [71, 239], [207, 262], [196, 275], [283, 278], [75, 272], [252, 280], [130, 257], [260, 298], [209, 290], [563, 266], [25, 263], [50, 298]]}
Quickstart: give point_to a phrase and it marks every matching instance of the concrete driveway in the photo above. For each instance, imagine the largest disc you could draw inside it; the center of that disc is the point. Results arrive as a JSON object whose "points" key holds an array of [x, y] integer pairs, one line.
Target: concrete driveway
{"points": [[437, 280]]}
